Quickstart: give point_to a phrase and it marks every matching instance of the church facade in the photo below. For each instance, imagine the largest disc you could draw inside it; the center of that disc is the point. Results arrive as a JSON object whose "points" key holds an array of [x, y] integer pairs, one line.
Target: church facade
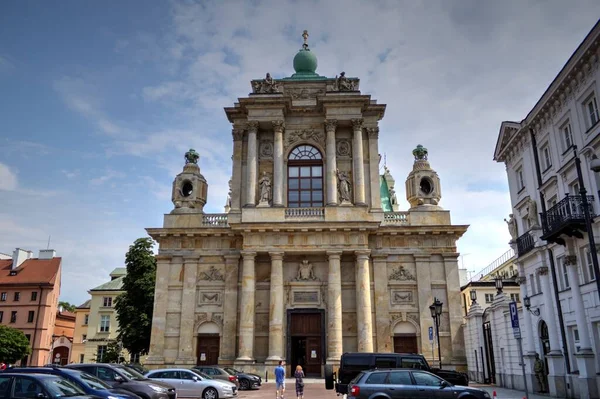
{"points": [[313, 257]]}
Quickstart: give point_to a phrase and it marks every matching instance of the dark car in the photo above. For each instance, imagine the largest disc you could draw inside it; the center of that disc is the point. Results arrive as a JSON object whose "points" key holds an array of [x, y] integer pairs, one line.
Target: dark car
{"points": [[351, 364], [122, 377], [218, 373], [38, 386], [408, 383], [87, 382], [247, 380]]}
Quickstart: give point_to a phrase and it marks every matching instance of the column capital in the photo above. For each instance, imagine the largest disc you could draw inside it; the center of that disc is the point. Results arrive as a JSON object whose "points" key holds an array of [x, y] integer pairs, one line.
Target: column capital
{"points": [[570, 260], [278, 126], [330, 125], [252, 126], [248, 254], [276, 255], [237, 133], [334, 254], [232, 258], [357, 123], [373, 132], [542, 271], [362, 253]]}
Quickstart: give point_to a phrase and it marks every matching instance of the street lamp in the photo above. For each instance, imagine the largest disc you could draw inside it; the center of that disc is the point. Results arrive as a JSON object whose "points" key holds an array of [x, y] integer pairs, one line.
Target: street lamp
{"points": [[473, 294], [499, 284], [436, 312], [527, 303]]}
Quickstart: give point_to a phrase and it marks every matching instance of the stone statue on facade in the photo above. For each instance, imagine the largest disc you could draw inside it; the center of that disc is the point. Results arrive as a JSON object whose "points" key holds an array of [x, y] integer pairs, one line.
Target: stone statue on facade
{"points": [[342, 83], [228, 201], [305, 272], [265, 188], [266, 86], [393, 199], [191, 156], [343, 185], [512, 227], [532, 215], [540, 375]]}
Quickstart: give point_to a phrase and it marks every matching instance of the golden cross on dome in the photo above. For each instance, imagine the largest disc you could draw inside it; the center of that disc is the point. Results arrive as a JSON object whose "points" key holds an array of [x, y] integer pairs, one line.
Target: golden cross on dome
{"points": [[305, 37]]}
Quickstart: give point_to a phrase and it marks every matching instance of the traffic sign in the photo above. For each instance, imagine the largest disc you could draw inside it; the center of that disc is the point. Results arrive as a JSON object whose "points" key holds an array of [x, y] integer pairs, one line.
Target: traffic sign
{"points": [[517, 333], [514, 314], [430, 334]]}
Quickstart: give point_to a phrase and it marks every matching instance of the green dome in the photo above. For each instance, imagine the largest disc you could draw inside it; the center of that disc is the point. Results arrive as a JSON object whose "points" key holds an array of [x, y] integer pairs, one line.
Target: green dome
{"points": [[305, 61]]}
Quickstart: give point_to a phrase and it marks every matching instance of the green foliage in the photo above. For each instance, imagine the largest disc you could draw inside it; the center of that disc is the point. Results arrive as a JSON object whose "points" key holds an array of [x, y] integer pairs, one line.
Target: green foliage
{"points": [[111, 354], [134, 307], [14, 345], [67, 306]]}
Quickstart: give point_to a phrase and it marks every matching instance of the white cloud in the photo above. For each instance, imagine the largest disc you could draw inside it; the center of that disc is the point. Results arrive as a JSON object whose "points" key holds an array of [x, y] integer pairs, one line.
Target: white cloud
{"points": [[8, 178]]}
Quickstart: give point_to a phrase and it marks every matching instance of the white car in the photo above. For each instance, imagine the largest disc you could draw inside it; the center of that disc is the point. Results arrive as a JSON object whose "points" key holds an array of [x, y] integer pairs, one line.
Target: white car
{"points": [[190, 384]]}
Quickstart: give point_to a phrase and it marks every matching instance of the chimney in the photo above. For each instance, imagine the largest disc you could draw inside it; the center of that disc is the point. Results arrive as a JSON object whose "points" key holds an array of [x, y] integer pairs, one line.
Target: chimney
{"points": [[19, 256], [47, 254]]}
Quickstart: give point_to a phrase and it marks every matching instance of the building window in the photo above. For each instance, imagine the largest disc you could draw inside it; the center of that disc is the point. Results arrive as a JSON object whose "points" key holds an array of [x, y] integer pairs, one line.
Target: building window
{"points": [[567, 135], [520, 179], [3, 297], [34, 296], [515, 298], [591, 276], [28, 336], [564, 273], [574, 189], [86, 319], [104, 323], [591, 110], [532, 284], [13, 316], [489, 298], [552, 201], [100, 353], [83, 338], [81, 358], [1, 315], [30, 316], [107, 302], [546, 157], [305, 177], [17, 296]]}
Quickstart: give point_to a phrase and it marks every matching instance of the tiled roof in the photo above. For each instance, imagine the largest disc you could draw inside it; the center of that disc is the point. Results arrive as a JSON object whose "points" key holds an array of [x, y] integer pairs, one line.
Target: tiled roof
{"points": [[66, 314], [85, 305], [32, 271], [113, 285], [118, 272]]}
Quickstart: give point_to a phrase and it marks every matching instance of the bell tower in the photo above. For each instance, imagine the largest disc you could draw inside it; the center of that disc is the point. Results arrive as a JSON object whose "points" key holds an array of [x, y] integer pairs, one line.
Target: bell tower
{"points": [[189, 187], [423, 190]]}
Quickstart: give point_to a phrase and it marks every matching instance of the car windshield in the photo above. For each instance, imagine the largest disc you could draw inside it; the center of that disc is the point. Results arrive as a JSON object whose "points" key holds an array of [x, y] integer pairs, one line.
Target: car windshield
{"points": [[131, 373], [61, 388], [201, 374], [92, 382], [358, 377], [231, 370]]}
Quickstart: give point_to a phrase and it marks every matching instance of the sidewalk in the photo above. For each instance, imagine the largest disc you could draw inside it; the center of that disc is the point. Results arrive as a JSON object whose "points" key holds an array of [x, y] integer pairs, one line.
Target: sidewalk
{"points": [[505, 393]]}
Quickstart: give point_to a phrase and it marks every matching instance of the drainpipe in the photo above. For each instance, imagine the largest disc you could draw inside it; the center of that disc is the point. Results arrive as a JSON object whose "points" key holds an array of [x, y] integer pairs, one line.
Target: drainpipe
{"points": [[561, 323], [37, 318]]}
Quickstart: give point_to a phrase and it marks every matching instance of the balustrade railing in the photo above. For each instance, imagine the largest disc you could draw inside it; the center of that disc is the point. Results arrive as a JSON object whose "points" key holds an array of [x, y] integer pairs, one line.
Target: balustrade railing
{"points": [[525, 243], [215, 220], [305, 213], [395, 218], [566, 211]]}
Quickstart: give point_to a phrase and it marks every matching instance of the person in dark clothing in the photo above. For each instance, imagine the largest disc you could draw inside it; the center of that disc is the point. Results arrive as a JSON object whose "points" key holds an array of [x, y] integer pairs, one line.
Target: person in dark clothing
{"points": [[299, 374]]}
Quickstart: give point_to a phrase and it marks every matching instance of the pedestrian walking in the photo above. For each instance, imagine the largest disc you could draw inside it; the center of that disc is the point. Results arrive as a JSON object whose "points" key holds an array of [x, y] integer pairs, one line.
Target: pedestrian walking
{"points": [[280, 380], [299, 374]]}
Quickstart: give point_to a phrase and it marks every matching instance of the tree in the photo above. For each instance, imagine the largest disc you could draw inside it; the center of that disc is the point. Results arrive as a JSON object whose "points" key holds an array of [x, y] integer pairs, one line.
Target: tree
{"points": [[67, 306], [14, 345], [134, 307], [112, 353]]}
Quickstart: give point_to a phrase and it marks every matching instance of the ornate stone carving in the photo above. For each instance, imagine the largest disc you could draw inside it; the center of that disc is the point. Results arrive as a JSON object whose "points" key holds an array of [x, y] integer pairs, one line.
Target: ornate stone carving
{"points": [[278, 125], [266, 149], [512, 227], [191, 156], [330, 124], [343, 149], [305, 272], [304, 297], [532, 215], [395, 317], [304, 94], [200, 319], [217, 319], [420, 153], [211, 275], [266, 86], [357, 123], [401, 297], [324, 295], [252, 126], [237, 133], [210, 297], [373, 132], [228, 201], [342, 83], [344, 186], [305, 135], [542, 271], [401, 274], [414, 317], [265, 189], [570, 260]]}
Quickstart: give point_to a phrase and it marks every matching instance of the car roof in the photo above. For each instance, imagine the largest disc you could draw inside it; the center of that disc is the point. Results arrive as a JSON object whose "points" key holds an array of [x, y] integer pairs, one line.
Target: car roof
{"points": [[169, 369], [37, 375]]}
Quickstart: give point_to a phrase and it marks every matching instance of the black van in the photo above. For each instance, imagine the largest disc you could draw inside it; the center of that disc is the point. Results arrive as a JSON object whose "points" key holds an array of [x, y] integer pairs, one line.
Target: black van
{"points": [[351, 364]]}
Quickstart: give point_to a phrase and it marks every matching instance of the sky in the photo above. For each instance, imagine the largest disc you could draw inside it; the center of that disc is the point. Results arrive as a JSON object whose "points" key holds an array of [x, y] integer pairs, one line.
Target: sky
{"points": [[100, 100]]}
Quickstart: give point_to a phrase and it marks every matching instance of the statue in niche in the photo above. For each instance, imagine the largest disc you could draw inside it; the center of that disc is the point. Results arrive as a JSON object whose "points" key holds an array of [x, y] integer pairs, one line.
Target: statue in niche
{"points": [[512, 227], [342, 83], [265, 188], [343, 185], [532, 216], [393, 199], [305, 272]]}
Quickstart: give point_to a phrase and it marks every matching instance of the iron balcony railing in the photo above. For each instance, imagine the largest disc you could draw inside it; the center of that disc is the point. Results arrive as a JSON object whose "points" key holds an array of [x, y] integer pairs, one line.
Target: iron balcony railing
{"points": [[525, 243], [567, 213]]}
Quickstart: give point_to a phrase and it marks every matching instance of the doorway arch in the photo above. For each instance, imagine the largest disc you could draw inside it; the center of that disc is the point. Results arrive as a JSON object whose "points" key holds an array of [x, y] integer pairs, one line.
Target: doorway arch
{"points": [[488, 343], [208, 343], [405, 337]]}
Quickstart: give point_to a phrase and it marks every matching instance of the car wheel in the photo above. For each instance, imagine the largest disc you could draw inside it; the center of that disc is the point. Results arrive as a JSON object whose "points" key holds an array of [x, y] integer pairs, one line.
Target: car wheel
{"points": [[210, 393], [244, 384]]}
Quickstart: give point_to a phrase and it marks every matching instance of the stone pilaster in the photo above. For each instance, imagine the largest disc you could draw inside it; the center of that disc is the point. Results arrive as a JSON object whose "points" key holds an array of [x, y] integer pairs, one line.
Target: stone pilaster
{"points": [[276, 308], [364, 317], [188, 309], [358, 164], [278, 127], [383, 330], [375, 194], [236, 175], [334, 308], [331, 178], [425, 299], [455, 349], [230, 304], [246, 343], [251, 164], [474, 339], [528, 331], [159, 315]]}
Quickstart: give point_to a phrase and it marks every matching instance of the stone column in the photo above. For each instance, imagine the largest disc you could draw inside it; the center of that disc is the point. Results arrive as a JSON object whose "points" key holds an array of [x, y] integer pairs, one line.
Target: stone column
{"points": [[527, 330], [375, 196], [383, 330], [364, 317], [246, 343], [230, 310], [454, 348], [331, 177], [474, 336], [159, 315], [251, 164], [556, 366], [357, 160], [585, 356], [236, 176], [276, 308], [278, 127], [334, 309], [188, 309]]}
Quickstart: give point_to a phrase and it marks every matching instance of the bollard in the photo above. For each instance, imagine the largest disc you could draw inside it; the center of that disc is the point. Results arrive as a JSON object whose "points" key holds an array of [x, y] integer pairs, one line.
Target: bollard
{"points": [[266, 376]]}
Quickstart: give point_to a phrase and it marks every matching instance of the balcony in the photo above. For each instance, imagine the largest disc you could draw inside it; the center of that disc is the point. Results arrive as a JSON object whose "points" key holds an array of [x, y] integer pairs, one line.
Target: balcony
{"points": [[215, 220], [566, 217], [305, 213], [395, 218], [525, 243]]}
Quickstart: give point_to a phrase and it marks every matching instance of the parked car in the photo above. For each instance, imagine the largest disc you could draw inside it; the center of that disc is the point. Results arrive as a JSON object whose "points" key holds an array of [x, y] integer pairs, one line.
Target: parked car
{"points": [[408, 383], [218, 373], [137, 367], [119, 376], [22, 385], [246, 380], [351, 364], [87, 382], [193, 385]]}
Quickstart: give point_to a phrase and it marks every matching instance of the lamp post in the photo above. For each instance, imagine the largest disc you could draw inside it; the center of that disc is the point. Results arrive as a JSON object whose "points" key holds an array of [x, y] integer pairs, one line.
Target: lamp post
{"points": [[527, 303], [473, 294], [436, 312], [499, 284]]}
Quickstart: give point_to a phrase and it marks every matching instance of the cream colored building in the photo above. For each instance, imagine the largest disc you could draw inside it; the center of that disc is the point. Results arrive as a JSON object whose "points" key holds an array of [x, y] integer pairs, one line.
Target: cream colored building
{"points": [[313, 257]]}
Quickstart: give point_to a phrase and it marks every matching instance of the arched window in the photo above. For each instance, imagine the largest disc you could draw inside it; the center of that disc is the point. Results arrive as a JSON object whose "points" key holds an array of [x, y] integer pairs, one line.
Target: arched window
{"points": [[305, 177]]}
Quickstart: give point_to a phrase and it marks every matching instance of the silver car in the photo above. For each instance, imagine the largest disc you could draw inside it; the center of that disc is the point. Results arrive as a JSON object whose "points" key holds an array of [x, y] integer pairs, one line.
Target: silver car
{"points": [[190, 384]]}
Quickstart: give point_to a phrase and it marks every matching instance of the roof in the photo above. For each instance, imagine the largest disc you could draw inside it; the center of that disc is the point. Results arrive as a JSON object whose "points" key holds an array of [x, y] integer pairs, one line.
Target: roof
{"points": [[85, 305], [118, 272], [31, 272], [385, 195], [66, 314], [113, 285]]}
